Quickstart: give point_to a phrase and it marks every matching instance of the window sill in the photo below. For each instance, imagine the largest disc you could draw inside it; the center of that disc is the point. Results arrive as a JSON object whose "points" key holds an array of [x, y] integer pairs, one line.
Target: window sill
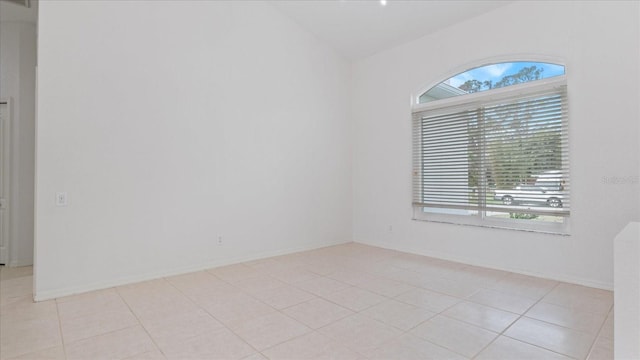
{"points": [[560, 229]]}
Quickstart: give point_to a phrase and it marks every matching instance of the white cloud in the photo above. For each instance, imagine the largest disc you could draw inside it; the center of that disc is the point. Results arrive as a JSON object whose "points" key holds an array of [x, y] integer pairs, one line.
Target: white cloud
{"points": [[496, 70]]}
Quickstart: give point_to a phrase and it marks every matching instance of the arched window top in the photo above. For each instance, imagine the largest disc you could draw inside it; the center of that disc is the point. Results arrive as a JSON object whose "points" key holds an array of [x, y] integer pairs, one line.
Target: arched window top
{"points": [[492, 76]]}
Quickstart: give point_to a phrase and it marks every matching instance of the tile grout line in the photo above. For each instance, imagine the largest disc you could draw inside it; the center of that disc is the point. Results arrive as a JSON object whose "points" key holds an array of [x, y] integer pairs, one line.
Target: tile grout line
{"points": [[356, 255], [546, 322], [208, 313], [96, 335], [318, 296], [520, 316], [139, 323], [598, 334], [64, 347]]}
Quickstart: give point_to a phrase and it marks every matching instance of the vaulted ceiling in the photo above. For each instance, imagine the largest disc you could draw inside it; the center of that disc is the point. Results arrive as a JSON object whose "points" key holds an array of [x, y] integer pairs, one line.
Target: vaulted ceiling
{"points": [[355, 28], [361, 28]]}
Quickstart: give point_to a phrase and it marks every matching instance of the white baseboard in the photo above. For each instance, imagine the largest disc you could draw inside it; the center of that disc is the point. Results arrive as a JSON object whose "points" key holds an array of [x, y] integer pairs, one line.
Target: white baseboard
{"points": [[443, 256], [73, 290]]}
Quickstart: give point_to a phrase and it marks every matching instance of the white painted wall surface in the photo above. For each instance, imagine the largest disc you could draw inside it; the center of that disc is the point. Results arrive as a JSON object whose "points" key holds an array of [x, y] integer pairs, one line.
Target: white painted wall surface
{"points": [[627, 293], [17, 74], [171, 123], [599, 42]]}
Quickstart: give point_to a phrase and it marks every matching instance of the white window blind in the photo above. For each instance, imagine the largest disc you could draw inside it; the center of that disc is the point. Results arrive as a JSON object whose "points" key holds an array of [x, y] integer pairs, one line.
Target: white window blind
{"points": [[500, 152]]}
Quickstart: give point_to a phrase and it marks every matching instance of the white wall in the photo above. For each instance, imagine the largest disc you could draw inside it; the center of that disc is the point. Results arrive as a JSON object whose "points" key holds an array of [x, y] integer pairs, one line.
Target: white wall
{"points": [[598, 41], [17, 72], [627, 292], [171, 123]]}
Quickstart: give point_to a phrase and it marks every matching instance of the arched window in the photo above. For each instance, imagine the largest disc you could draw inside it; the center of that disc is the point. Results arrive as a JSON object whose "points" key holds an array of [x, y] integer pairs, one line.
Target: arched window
{"points": [[490, 77], [491, 148]]}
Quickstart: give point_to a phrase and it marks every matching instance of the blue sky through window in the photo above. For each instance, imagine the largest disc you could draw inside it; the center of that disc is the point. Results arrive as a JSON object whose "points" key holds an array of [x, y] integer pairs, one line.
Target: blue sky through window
{"points": [[496, 72]]}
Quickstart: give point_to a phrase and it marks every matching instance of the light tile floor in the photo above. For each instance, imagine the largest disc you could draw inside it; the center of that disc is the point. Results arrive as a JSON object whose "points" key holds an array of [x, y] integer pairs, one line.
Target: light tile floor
{"points": [[342, 302]]}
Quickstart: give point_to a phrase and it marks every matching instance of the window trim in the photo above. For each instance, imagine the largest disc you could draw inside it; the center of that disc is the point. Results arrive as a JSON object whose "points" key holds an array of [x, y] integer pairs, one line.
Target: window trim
{"points": [[485, 98]]}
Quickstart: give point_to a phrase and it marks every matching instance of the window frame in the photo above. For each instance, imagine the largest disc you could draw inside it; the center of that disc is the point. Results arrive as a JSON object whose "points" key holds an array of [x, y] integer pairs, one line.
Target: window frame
{"points": [[482, 99]]}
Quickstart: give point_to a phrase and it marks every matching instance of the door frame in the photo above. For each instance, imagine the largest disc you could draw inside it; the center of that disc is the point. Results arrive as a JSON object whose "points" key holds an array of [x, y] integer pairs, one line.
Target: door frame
{"points": [[5, 182]]}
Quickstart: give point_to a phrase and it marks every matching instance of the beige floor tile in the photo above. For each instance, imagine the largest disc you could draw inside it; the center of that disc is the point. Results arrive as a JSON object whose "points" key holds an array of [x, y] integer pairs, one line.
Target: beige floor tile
{"points": [[482, 276], [581, 298], [269, 330], [198, 283], [205, 293], [236, 272], [552, 337], [115, 345], [102, 322], [429, 300], [8, 273], [455, 273], [219, 344], [360, 333], [310, 346], [398, 314], [324, 266], [151, 355], [602, 349], [54, 353], [351, 277], [21, 337], [15, 288], [455, 335], [255, 356], [322, 286], [25, 308], [90, 303], [294, 276], [607, 327], [149, 305], [385, 287], [428, 269], [385, 269], [410, 347], [404, 260], [293, 260], [267, 265], [507, 348], [317, 313], [567, 317], [235, 307], [284, 296], [91, 297], [258, 284], [512, 303], [150, 287], [8, 300], [482, 316], [407, 276], [184, 314], [169, 330], [525, 286], [303, 347], [354, 298]]}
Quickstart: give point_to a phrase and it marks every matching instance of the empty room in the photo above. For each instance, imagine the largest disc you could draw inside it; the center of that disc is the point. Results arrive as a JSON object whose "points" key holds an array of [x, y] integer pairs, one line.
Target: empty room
{"points": [[348, 179]]}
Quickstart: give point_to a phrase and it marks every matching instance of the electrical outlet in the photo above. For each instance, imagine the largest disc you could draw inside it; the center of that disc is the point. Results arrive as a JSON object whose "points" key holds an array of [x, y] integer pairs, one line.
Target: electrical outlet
{"points": [[219, 240], [62, 199]]}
